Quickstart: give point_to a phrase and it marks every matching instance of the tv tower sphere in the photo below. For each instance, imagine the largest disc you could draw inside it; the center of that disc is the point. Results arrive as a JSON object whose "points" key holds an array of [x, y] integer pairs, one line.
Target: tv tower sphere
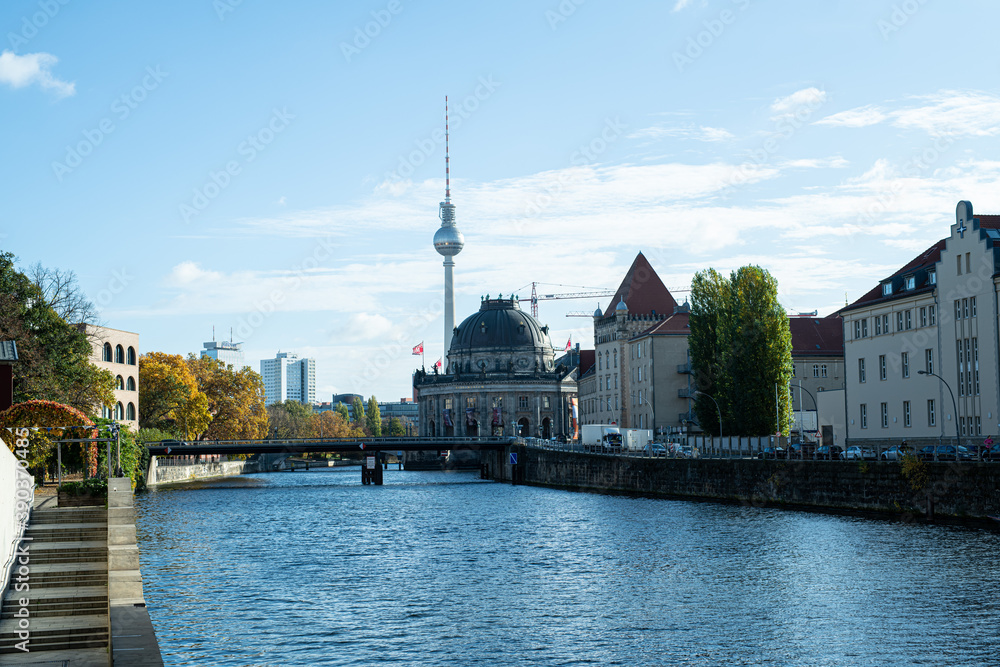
{"points": [[448, 241]]}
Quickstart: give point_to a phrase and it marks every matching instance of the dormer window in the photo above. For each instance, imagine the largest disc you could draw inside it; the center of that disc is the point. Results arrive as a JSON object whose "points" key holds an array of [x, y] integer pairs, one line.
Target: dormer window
{"points": [[886, 289], [932, 277], [910, 282]]}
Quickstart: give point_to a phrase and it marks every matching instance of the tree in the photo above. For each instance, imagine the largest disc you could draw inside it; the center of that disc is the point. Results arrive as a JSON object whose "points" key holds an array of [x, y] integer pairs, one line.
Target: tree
{"points": [[358, 411], [170, 398], [741, 350], [62, 292], [53, 355], [235, 399], [373, 418], [342, 411], [333, 424], [290, 420], [396, 428]]}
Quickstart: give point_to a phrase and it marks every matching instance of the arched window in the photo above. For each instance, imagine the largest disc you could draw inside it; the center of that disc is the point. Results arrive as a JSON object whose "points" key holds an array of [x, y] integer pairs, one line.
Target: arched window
{"points": [[106, 412], [107, 352], [119, 411], [616, 358], [131, 356], [120, 382], [130, 385], [119, 354], [130, 412]]}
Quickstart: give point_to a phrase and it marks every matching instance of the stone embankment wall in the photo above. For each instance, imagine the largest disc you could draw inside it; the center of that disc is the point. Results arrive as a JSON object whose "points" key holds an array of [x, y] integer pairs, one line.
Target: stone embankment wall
{"points": [[174, 474], [938, 488]]}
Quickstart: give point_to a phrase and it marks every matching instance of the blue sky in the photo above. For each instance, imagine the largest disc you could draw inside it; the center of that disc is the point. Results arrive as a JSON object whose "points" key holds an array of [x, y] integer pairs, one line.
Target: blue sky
{"points": [[271, 168]]}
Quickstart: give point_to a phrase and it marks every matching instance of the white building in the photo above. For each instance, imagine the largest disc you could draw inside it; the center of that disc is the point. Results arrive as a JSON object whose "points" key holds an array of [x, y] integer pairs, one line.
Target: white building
{"points": [[117, 351], [226, 352], [288, 378]]}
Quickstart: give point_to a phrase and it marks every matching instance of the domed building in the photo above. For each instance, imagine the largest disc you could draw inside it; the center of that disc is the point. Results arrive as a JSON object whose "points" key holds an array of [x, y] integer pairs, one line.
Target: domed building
{"points": [[502, 378]]}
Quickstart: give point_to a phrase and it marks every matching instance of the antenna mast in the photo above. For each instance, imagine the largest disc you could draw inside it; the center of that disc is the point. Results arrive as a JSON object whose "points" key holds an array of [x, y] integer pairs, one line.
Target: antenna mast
{"points": [[447, 158]]}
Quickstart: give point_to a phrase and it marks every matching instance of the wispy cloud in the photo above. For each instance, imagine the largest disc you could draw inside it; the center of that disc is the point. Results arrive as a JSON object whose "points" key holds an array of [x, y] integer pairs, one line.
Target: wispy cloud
{"points": [[33, 68], [945, 113], [807, 98], [697, 132]]}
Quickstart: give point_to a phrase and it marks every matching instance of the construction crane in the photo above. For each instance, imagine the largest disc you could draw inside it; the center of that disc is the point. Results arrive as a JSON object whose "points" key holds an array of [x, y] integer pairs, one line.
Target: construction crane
{"points": [[591, 293], [584, 313]]}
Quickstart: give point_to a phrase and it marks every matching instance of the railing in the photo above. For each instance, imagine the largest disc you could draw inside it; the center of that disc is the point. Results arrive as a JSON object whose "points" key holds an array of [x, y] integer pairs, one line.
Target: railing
{"points": [[684, 369], [684, 392]]}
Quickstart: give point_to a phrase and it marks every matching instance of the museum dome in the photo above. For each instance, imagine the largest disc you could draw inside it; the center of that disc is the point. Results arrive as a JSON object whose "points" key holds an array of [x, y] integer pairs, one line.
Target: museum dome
{"points": [[501, 333]]}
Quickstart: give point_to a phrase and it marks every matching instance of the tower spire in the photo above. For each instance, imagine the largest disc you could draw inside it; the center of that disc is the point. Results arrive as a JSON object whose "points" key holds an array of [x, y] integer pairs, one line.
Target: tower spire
{"points": [[447, 158], [448, 241]]}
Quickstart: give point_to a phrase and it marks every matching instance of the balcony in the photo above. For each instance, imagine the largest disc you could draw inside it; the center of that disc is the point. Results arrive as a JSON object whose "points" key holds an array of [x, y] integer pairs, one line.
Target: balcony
{"points": [[684, 392], [684, 369]]}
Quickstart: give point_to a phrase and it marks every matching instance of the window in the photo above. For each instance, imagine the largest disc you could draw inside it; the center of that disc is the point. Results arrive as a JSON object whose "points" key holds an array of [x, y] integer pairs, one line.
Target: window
{"points": [[911, 282], [545, 402], [979, 426], [522, 402], [932, 312], [975, 362], [447, 403], [640, 373], [958, 309], [931, 421], [885, 324], [107, 352], [794, 373], [972, 306], [886, 289], [608, 380], [968, 262], [119, 411], [885, 415], [600, 364], [923, 316], [959, 258], [961, 420], [965, 307], [929, 361], [130, 384], [640, 398], [878, 326], [119, 354], [861, 370], [909, 318], [905, 361], [961, 368], [857, 328], [864, 416], [616, 358], [130, 412], [932, 277], [815, 370], [906, 413], [864, 328], [881, 367], [616, 380], [131, 356], [470, 402], [822, 371], [498, 401], [119, 382], [899, 321]]}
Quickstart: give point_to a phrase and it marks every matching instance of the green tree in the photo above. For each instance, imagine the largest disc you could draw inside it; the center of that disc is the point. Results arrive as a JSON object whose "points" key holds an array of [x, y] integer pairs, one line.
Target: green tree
{"points": [[358, 411], [235, 399], [170, 398], [373, 418], [740, 351], [291, 419], [344, 414], [396, 428]]}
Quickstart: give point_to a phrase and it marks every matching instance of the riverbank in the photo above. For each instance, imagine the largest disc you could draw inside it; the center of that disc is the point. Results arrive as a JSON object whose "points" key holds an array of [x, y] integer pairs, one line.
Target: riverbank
{"points": [[967, 490], [178, 474]]}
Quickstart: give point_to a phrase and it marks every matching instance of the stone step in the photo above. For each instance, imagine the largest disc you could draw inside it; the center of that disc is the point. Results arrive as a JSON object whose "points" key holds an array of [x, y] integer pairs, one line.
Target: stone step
{"points": [[40, 530], [95, 624], [39, 582], [82, 555], [58, 610], [58, 644], [70, 514]]}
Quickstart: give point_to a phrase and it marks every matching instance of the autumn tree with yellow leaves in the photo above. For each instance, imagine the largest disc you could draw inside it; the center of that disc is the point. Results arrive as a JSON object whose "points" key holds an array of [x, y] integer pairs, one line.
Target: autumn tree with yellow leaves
{"points": [[170, 398], [235, 399]]}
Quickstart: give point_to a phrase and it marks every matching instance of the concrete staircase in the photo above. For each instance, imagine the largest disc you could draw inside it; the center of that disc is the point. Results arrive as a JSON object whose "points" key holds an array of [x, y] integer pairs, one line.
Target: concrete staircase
{"points": [[68, 578]]}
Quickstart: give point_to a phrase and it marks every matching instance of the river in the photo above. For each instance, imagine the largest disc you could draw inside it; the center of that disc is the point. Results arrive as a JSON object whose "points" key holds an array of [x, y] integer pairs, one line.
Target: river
{"points": [[439, 568]]}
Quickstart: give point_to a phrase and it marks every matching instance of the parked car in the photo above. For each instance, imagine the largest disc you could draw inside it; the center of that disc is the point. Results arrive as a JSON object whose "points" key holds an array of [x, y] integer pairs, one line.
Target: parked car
{"points": [[944, 453], [772, 453], [856, 453], [687, 452], [654, 449], [801, 450], [896, 453], [829, 452]]}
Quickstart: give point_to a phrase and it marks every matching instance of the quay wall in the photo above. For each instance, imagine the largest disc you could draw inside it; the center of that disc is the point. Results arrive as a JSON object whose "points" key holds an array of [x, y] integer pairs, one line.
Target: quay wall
{"points": [[965, 489], [178, 474]]}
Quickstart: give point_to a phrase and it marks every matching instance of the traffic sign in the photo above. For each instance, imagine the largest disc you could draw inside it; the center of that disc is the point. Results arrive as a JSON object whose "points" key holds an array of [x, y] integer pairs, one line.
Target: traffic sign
{"points": [[370, 462], [513, 458]]}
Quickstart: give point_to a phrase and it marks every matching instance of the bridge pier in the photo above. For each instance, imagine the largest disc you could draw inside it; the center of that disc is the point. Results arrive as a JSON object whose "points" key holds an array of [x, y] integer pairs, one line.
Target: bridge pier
{"points": [[371, 470]]}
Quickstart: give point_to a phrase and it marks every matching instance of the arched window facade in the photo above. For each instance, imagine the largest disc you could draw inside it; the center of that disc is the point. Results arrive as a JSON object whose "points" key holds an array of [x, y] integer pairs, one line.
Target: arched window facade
{"points": [[130, 412], [119, 355], [107, 352], [119, 411], [120, 382], [130, 385], [131, 356], [616, 358]]}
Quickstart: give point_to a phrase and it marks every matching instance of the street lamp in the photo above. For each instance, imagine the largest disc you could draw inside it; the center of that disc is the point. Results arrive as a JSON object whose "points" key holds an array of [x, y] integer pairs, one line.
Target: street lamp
{"points": [[717, 409], [958, 435]]}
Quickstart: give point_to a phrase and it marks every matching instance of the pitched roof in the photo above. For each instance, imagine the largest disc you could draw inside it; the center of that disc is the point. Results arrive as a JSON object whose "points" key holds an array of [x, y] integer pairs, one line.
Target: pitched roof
{"points": [[587, 359], [8, 350], [817, 336], [642, 291], [925, 260], [676, 324]]}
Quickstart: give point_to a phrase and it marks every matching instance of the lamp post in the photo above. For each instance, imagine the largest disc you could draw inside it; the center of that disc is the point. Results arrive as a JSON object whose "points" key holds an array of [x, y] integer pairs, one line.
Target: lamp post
{"points": [[958, 435], [717, 409]]}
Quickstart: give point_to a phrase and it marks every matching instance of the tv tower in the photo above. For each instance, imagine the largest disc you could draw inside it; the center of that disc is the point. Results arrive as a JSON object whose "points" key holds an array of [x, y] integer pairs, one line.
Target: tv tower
{"points": [[448, 241]]}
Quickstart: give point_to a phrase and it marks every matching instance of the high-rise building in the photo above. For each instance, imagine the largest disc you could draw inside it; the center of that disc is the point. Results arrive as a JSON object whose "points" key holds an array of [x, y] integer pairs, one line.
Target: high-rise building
{"points": [[288, 378], [226, 352]]}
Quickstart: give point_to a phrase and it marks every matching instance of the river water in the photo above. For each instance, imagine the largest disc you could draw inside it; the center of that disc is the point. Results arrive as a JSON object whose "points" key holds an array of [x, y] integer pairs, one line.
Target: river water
{"points": [[444, 569]]}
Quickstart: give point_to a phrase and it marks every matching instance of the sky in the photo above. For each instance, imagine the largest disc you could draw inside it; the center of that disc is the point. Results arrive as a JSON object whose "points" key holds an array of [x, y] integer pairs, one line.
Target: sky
{"points": [[274, 169]]}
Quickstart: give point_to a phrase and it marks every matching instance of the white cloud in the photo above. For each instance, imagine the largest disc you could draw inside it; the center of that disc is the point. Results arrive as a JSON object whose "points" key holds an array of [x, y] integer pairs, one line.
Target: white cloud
{"points": [[20, 71], [836, 162], [807, 99], [681, 4], [700, 133], [945, 113]]}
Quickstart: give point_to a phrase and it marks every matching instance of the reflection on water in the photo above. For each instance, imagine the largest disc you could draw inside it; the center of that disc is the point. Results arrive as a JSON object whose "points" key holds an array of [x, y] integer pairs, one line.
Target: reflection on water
{"points": [[444, 569]]}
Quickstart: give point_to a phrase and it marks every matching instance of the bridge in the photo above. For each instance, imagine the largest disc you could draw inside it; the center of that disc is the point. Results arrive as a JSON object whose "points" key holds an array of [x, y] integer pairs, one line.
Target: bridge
{"points": [[370, 448]]}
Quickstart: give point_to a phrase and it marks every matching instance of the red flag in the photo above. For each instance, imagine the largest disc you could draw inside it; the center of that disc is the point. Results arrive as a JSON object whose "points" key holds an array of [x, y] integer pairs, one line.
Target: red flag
{"points": [[569, 344], [418, 348], [437, 364]]}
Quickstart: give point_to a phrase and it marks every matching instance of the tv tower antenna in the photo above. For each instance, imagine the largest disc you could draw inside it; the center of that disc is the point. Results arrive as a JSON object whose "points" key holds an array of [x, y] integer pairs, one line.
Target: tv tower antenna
{"points": [[448, 241]]}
